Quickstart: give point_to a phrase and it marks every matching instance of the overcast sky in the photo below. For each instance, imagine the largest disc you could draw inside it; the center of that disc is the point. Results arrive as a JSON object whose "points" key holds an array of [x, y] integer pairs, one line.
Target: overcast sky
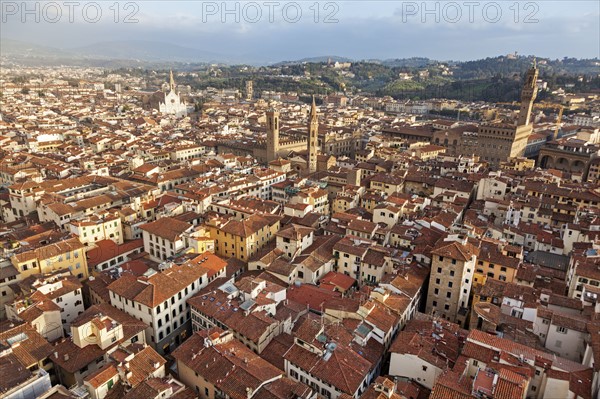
{"points": [[284, 30]]}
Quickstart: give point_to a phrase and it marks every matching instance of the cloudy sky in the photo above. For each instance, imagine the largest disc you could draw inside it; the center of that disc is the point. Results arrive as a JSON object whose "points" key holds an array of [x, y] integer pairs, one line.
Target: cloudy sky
{"points": [[285, 30]]}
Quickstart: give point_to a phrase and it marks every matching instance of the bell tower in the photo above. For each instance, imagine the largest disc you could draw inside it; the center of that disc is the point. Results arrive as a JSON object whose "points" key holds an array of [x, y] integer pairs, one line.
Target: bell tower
{"points": [[313, 138], [528, 94], [249, 90], [171, 81], [272, 134]]}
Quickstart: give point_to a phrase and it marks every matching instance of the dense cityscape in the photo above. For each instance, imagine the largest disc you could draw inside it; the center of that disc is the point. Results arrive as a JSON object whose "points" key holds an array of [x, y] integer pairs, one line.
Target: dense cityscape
{"points": [[309, 240]]}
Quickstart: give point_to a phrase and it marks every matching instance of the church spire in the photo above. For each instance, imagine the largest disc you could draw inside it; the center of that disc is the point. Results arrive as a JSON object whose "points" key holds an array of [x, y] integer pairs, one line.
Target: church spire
{"points": [[171, 80]]}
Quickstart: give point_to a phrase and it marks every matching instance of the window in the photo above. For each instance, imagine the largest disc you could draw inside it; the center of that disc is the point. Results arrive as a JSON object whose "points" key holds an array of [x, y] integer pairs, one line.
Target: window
{"points": [[436, 291], [450, 284], [424, 368], [448, 295], [562, 330], [446, 307]]}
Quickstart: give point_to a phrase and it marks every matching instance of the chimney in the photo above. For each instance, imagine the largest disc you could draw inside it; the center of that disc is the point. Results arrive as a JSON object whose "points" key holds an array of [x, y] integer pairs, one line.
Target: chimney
{"points": [[66, 357]]}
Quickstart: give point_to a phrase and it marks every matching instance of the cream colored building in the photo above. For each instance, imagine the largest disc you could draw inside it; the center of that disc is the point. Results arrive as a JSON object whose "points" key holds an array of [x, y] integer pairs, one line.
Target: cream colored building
{"points": [[294, 239], [96, 228], [452, 269], [165, 237], [160, 299], [95, 334]]}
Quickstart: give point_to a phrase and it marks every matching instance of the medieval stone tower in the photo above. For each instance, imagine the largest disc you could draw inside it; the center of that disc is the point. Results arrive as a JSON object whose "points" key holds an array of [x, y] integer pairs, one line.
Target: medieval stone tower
{"points": [[313, 138], [272, 134], [498, 142], [528, 95], [249, 90]]}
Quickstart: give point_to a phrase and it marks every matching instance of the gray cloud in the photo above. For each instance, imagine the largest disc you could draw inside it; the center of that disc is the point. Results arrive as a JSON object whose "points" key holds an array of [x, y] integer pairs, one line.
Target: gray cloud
{"points": [[395, 35]]}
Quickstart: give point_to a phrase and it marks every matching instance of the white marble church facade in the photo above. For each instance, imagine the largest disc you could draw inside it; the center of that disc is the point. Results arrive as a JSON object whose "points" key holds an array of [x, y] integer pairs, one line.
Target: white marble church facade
{"points": [[173, 104]]}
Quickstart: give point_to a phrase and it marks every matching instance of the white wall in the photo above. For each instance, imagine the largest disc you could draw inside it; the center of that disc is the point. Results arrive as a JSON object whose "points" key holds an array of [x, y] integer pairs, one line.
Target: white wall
{"points": [[411, 366]]}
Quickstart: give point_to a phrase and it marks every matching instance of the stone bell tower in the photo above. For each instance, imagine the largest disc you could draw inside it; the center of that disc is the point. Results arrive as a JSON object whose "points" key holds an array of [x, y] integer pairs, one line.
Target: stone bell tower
{"points": [[272, 134], [313, 138], [528, 95]]}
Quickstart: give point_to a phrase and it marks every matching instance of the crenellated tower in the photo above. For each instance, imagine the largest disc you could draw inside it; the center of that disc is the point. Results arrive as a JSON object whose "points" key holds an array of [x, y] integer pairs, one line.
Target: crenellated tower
{"points": [[528, 95]]}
